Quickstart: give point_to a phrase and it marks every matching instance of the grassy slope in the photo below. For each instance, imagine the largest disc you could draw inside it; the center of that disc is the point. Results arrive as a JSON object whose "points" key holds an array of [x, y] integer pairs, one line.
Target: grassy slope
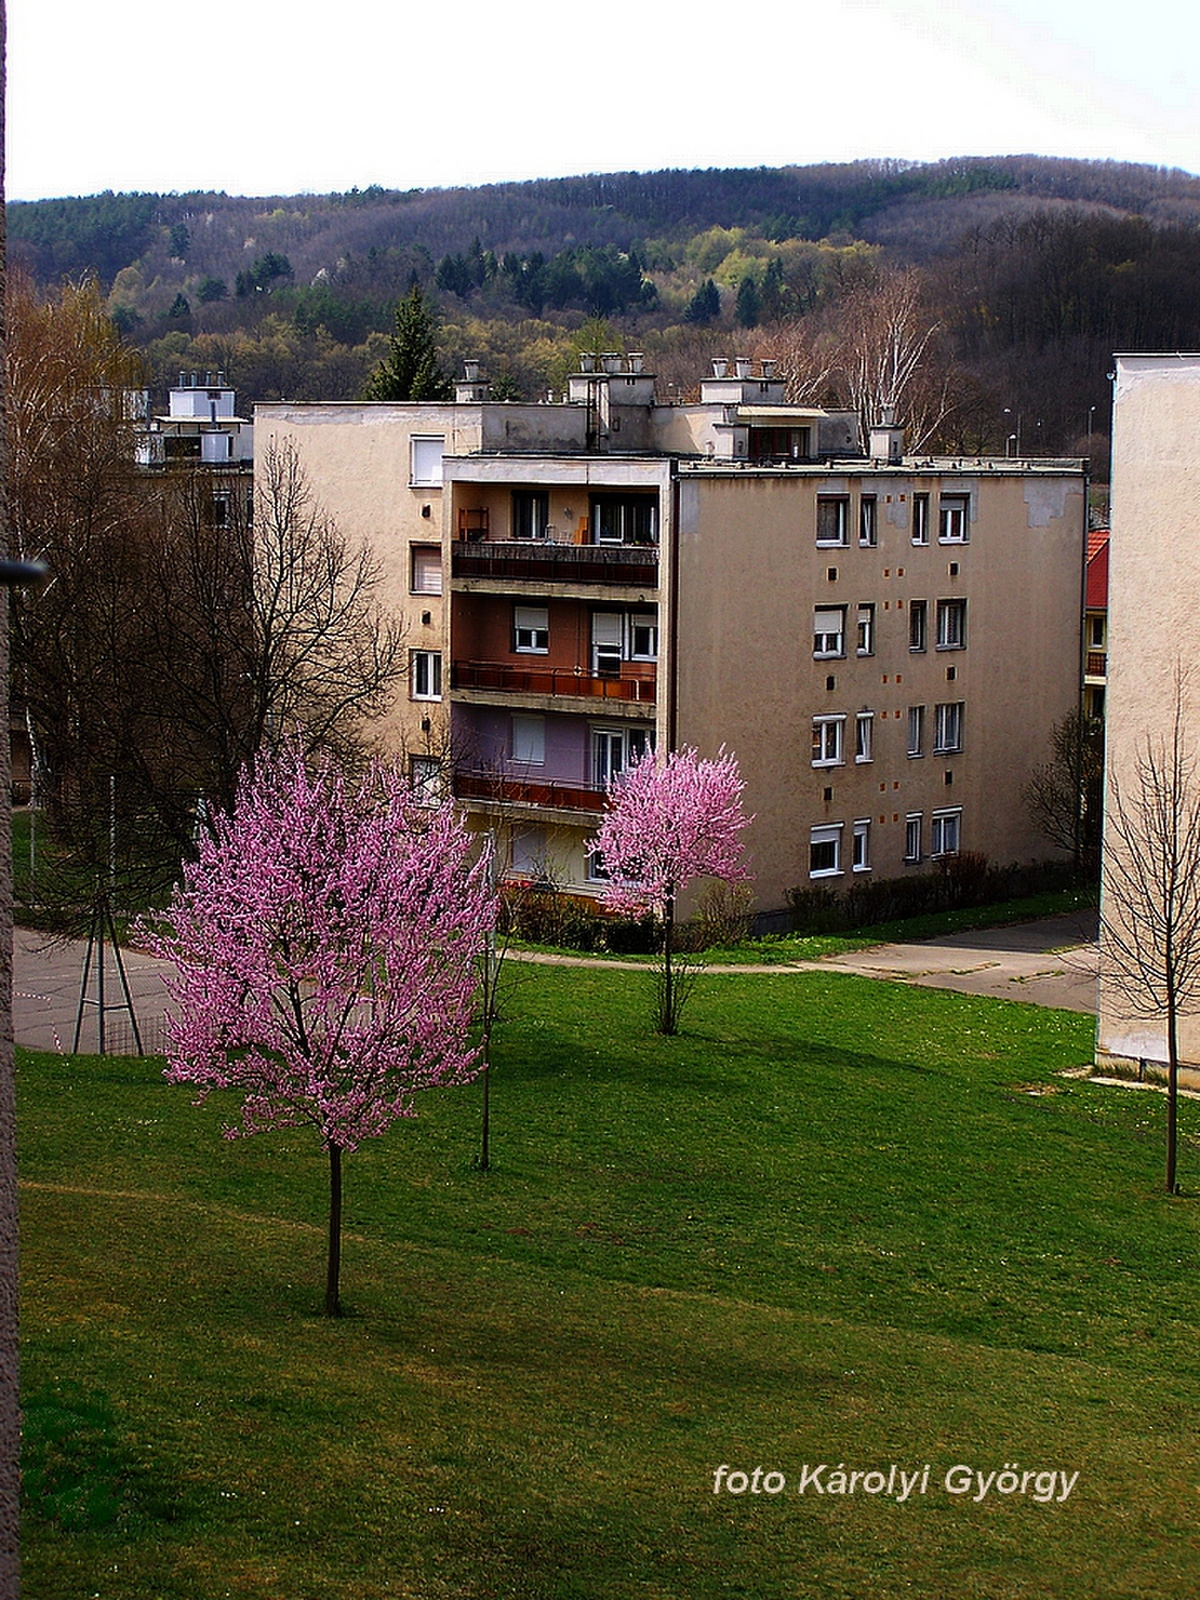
{"points": [[831, 1222]]}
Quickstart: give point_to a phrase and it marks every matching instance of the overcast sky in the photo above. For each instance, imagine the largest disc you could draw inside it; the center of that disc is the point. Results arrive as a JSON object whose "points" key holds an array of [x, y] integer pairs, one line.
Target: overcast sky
{"points": [[301, 96]]}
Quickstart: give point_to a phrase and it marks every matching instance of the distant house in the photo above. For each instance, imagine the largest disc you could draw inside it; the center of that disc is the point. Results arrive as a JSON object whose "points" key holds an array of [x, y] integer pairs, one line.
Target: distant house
{"points": [[1095, 625], [885, 641]]}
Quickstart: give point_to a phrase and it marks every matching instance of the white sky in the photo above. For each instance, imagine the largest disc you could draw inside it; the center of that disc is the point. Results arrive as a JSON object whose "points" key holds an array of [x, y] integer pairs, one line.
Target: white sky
{"points": [[317, 95]]}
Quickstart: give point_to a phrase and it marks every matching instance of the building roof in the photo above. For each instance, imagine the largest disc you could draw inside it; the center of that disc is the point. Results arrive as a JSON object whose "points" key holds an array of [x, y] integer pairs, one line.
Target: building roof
{"points": [[1097, 570]]}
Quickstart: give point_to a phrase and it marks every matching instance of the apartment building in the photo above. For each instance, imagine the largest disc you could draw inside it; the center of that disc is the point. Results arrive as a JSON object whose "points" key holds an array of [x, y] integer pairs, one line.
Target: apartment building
{"points": [[885, 642], [1154, 575]]}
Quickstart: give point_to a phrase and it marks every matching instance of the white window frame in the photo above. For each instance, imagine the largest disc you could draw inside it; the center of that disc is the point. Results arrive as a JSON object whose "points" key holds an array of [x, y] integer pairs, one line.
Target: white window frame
{"points": [[860, 852], [914, 824], [920, 518], [829, 644], [952, 637], [864, 737], [954, 519], [425, 569], [842, 537], [528, 740], [643, 622], [616, 749], [425, 674], [826, 834], [918, 627], [425, 462], [916, 732], [531, 630], [945, 832], [865, 636], [535, 507], [947, 727], [829, 740], [425, 780], [608, 643], [868, 521]]}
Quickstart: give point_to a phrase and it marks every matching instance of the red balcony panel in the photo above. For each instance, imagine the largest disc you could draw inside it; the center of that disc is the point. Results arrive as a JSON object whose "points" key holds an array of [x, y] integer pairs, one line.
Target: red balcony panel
{"points": [[503, 676], [504, 790], [543, 561]]}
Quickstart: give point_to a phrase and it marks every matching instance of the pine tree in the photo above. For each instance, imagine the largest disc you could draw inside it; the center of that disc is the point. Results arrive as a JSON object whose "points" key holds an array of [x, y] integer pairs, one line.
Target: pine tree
{"points": [[748, 306], [411, 370]]}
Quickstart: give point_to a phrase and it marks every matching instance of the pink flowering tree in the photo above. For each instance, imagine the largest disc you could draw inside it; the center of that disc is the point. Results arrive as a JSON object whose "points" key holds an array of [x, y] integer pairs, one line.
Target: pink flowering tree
{"points": [[326, 948], [671, 820]]}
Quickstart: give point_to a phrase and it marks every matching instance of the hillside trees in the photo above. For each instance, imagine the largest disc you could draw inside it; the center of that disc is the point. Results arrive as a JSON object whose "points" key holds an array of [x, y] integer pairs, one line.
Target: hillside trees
{"points": [[410, 370]]}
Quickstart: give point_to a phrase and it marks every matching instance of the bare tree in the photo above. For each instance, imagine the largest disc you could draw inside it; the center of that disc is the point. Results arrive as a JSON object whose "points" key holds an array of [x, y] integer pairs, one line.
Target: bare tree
{"points": [[891, 358], [1064, 793], [1150, 922]]}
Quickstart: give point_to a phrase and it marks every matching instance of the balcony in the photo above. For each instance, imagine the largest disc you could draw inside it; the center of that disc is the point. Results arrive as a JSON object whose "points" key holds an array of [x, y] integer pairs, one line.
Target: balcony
{"points": [[543, 561], [496, 789], [1096, 665], [501, 677]]}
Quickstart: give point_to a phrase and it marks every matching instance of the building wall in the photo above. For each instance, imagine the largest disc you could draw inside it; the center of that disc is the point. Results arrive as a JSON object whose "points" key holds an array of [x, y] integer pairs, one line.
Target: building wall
{"points": [[358, 462], [750, 574], [1154, 577]]}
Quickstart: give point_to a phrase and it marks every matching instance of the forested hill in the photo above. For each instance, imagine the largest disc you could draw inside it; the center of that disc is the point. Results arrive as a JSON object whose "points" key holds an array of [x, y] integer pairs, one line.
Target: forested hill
{"points": [[1032, 268]]}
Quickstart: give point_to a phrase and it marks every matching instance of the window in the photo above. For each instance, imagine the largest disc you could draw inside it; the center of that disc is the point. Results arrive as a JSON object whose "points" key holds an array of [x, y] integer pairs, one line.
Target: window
{"points": [[528, 854], [625, 519], [595, 870], [643, 636], [947, 727], [954, 518], [951, 624], [779, 444], [916, 730], [530, 513], [425, 668], [827, 736], [912, 836], [425, 780], [861, 856], [529, 740], [616, 749], [427, 461], [825, 851], [1096, 633], [833, 517], [866, 631], [918, 619], [425, 573], [531, 630], [943, 833], [864, 735], [220, 510], [608, 636], [829, 631], [868, 527], [920, 519]]}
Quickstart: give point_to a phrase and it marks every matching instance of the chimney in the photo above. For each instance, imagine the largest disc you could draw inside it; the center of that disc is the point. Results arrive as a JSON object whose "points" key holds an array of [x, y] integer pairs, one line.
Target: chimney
{"points": [[742, 366], [471, 371], [636, 358], [768, 369], [720, 366]]}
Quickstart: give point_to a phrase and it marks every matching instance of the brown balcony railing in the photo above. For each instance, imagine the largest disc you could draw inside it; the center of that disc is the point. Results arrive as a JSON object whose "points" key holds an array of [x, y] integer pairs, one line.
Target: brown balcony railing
{"points": [[1097, 664], [543, 561], [501, 675], [501, 790]]}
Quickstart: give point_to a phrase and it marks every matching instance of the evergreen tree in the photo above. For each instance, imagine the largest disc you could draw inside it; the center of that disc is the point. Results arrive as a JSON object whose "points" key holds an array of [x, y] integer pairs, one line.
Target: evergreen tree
{"points": [[411, 371], [705, 304], [749, 303]]}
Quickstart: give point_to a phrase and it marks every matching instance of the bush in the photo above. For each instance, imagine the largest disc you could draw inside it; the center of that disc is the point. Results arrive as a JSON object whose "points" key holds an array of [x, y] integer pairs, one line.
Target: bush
{"points": [[969, 879]]}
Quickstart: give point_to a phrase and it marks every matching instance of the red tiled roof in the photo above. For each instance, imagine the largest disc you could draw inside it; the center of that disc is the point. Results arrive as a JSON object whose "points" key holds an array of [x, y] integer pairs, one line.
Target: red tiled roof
{"points": [[1097, 570]]}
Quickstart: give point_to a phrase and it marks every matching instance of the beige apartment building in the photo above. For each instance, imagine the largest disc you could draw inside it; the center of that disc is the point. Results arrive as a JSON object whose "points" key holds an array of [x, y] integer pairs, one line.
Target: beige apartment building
{"points": [[1154, 577], [885, 642]]}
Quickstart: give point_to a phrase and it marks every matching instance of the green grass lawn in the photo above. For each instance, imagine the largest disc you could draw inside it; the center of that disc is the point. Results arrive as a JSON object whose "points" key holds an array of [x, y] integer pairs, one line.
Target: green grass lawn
{"points": [[833, 1221]]}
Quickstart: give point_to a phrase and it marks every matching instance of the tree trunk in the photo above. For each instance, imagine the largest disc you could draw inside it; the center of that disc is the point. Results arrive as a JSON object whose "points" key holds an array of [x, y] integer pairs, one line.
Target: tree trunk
{"points": [[1172, 1087], [333, 1306], [666, 1019]]}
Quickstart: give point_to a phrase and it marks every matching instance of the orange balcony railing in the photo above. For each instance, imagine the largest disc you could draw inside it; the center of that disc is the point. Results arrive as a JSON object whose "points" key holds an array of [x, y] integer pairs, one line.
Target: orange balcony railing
{"points": [[502, 790], [1097, 664], [502, 676]]}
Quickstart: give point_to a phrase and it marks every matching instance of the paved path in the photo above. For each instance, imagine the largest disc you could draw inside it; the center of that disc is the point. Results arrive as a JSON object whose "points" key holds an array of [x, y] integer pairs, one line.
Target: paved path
{"points": [[1050, 963]]}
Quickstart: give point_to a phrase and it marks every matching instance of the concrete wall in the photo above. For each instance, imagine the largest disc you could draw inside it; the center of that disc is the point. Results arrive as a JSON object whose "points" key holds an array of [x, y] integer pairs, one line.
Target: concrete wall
{"points": [[1154, 579], [749, 576]]}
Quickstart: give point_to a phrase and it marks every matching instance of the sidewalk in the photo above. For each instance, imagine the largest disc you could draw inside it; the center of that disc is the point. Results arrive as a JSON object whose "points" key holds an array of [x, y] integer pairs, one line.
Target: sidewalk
{"points": [[1049, 963], [46, 985]]}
